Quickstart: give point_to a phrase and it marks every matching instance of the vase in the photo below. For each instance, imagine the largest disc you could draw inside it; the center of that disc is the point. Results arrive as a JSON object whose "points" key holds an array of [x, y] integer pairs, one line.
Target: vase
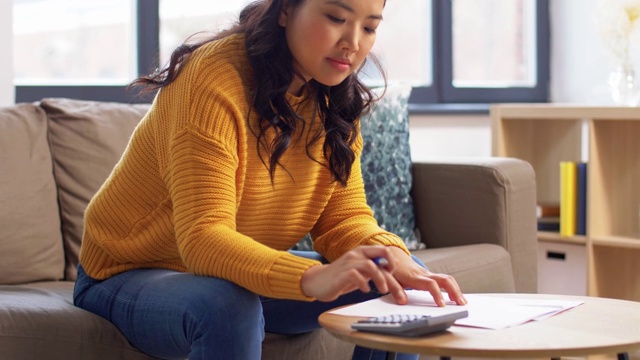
{"points": [[625, 86]]}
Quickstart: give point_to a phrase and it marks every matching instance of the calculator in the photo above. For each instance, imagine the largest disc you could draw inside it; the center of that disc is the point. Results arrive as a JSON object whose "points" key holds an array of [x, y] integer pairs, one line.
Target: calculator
{"points": [[409, 324]]}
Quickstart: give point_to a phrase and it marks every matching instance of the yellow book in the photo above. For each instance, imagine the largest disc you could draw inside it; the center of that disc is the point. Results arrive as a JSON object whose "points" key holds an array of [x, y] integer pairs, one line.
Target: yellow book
{"points": [[568, 194]]}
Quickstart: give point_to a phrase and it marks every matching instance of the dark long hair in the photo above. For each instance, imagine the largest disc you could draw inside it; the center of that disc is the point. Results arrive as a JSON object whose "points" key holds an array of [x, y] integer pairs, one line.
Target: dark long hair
{"points": [[340, 106]]}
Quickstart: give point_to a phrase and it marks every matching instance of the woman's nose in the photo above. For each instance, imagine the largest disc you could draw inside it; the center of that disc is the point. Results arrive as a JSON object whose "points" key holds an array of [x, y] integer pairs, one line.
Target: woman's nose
{"points": [[350, 40]]}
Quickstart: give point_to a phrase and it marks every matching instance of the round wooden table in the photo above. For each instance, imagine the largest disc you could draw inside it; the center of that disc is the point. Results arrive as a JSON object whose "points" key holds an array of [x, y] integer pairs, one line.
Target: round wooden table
{"points": [[598, 326]]}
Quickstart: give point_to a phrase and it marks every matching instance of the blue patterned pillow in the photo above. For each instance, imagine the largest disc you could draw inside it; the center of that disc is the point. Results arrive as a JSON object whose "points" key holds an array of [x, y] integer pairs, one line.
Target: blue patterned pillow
{"points": [[386, 165]]}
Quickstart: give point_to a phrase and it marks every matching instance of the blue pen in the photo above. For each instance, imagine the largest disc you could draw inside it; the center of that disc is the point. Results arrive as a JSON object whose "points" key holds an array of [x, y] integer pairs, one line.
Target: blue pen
{"points": [[381, 261]]}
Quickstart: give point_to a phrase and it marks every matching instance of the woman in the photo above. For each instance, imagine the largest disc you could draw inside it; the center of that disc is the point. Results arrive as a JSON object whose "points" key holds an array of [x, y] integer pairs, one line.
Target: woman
{"points": [[251, 142]]}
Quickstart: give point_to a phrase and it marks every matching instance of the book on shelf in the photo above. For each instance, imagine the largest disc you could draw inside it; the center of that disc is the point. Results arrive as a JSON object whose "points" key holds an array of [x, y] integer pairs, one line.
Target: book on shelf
{"points": [[581, 198], [549, 223], [573, 198], [548, 214], [568, 175], [546, 209]]}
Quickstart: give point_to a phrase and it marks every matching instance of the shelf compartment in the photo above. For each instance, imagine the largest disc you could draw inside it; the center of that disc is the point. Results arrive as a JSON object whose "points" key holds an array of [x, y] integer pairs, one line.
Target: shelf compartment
{"points": [[543, 144], [614, 179], [614, 272]]}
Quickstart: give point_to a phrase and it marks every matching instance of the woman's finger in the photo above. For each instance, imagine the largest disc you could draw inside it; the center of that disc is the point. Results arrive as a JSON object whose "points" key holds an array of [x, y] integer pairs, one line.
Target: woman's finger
{"points": [[433, 288], [395, 289], [450, 285]]}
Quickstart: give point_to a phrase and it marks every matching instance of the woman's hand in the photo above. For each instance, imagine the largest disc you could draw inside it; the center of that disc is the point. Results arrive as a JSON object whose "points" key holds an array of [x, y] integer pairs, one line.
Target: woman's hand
{"points": [[411, 275], [353, 271]]}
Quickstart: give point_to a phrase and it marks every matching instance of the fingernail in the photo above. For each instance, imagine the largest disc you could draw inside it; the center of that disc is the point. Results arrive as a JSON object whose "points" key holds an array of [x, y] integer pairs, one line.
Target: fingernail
{"points": [[403, 300]]}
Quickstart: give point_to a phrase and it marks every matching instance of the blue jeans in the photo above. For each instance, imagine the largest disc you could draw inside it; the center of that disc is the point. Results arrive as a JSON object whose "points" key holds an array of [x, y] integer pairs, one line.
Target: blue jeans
{"points": [[174, 315]]}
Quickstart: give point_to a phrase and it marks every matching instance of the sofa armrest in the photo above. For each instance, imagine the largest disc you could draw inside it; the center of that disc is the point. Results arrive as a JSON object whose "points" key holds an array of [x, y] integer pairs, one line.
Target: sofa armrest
{"points": [[480, 200]]}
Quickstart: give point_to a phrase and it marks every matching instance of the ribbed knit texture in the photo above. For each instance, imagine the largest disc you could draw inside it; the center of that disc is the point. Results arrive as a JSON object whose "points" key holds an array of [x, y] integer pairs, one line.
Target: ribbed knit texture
{"points": [[191, 193]]}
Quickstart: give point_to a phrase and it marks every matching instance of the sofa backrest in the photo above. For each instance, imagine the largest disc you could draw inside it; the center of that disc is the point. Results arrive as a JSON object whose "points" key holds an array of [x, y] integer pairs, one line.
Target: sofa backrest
{"points": [[87, 139], [30, 239], [54, 156]]}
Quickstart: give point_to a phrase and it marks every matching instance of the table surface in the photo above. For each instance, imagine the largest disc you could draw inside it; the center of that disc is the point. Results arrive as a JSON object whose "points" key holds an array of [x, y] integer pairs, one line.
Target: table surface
{"points": [[598, 326]]}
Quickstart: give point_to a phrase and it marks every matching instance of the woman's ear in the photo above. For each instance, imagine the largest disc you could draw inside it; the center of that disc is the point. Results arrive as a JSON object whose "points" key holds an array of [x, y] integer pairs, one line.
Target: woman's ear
{"points": [[282, 20], [284, 14]]}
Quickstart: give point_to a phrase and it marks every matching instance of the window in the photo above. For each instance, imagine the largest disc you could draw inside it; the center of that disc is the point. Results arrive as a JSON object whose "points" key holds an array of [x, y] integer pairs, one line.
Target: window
{"points": [[73, 41], [404, 42], [81, 49], [452, 51], [504, 44], [489, 53], [180, 19]]}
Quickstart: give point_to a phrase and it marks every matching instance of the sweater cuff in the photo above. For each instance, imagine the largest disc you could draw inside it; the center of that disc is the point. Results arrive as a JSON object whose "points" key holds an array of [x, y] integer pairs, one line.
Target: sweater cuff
{"points": [[388, 240], [286, 275]]}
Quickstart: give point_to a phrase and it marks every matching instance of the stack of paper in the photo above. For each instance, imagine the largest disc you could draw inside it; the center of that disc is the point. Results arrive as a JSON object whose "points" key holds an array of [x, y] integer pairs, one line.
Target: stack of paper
{"points": [[490, 312]]}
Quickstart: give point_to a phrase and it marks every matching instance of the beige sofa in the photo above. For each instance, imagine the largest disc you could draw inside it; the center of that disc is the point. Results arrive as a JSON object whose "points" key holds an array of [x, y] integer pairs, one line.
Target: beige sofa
{"points": [[476, 217]]}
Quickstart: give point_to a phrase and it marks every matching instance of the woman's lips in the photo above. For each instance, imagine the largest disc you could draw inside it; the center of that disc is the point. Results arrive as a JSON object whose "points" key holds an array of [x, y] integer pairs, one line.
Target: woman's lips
{"points": [[340, 64]]}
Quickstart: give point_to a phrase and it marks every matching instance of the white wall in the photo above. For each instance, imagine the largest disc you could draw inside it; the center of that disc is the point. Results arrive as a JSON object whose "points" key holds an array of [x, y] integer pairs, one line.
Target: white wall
{"points": [[580, 61], [580, 65], [6, 55], [435, 137]]}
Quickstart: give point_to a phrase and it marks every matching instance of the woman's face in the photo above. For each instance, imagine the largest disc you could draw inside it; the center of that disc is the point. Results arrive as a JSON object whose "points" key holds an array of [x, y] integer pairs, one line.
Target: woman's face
{"points": [[329, 39]]}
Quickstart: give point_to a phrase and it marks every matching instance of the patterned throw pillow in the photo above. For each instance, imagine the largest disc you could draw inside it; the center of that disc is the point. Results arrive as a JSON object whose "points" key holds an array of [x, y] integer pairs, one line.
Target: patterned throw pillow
{"points": [[386, 165]]}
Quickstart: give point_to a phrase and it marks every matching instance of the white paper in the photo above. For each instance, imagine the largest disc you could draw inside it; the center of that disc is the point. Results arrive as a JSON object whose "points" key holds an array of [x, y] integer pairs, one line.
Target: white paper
{"points": [[490, 312]]}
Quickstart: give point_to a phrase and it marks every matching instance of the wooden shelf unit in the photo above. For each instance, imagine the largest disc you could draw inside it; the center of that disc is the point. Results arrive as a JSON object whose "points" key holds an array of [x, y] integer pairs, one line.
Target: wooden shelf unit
{"points": [[608, 138]]}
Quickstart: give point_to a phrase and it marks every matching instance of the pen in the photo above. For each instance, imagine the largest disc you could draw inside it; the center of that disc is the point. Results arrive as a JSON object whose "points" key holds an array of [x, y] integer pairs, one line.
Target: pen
{"points": [[381, 261]]}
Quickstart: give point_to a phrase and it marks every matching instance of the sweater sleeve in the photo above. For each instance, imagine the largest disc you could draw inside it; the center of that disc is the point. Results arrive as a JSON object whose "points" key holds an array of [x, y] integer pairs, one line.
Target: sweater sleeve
{"points": [[347, 221]]}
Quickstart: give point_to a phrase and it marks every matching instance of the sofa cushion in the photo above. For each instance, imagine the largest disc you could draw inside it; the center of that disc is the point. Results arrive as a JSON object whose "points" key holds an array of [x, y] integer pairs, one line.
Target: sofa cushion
{"points": [[386, 163], [40, 322], [478, 268], [29, 222], [87, 140]]}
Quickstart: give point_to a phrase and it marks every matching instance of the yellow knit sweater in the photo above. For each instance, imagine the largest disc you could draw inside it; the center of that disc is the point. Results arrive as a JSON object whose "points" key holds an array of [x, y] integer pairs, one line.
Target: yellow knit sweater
{"points": [[191, 193]]}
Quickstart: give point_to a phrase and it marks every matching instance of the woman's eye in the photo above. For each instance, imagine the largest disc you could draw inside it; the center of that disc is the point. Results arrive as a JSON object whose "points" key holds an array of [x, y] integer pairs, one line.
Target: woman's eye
{"points": [[335, 19], [369, 30]]}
